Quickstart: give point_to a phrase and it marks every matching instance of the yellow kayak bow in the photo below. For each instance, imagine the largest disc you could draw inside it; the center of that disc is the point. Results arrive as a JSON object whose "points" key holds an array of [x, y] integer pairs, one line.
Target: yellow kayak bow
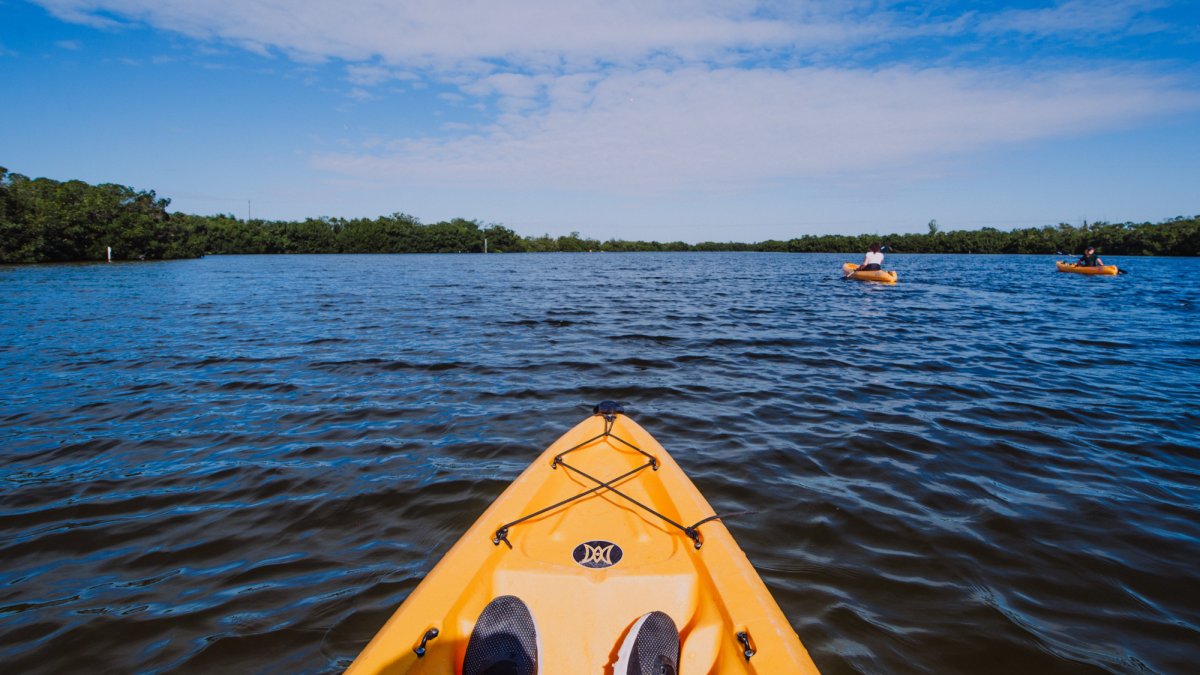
{"points": [[602, 528]]}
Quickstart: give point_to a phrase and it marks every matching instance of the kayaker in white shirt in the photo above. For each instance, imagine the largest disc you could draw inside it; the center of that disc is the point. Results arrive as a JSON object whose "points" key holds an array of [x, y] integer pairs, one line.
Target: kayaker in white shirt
{"points": [[873, 261]]}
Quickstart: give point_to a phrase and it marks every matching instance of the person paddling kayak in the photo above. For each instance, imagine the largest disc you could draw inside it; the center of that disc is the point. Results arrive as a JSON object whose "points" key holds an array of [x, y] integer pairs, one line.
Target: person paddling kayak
{"points": [[873, 261], [1089, 258]]}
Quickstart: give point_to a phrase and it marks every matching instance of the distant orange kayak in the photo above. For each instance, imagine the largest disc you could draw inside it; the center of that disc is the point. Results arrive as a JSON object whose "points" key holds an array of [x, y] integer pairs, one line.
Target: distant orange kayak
{"points": [[1105, 270], [882, 276], [637, 537]]}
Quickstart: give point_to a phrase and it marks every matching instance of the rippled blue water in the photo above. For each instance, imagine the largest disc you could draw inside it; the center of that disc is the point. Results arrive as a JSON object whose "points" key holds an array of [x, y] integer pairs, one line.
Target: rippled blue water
{"points": [[246, 463]]}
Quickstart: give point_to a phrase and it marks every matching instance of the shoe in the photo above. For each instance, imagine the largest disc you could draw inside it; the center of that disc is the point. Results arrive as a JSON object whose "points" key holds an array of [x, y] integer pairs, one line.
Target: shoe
{"points": [[504, 640], [650, 648]]}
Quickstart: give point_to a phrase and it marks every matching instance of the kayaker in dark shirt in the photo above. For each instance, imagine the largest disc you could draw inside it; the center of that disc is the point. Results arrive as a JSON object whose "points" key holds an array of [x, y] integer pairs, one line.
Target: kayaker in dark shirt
{"points": [[1089, 259]]}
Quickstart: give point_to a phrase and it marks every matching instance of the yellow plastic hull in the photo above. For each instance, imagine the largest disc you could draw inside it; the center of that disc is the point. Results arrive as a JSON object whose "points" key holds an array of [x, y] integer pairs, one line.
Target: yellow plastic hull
{"points": [[882, 276], [1103, 270], [712, 593]]}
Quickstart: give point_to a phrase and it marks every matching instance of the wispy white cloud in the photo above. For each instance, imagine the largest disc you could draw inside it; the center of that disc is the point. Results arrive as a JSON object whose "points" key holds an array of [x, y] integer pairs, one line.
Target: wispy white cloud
{"points": [[69, 45], [563, 35], [445, 34], [574, 35], [465, 40], [1074, 16], [367, 75], [366, 80], [648, 130], [83, 13]]}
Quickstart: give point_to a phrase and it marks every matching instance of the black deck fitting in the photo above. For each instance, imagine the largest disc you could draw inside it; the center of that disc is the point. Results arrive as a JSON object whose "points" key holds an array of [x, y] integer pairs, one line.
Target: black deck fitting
{"points": [[607, 408]]}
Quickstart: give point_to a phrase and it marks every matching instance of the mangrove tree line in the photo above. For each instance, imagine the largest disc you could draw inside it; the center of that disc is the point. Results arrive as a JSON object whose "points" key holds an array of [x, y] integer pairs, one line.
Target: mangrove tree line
{"points": [[44, 220]]}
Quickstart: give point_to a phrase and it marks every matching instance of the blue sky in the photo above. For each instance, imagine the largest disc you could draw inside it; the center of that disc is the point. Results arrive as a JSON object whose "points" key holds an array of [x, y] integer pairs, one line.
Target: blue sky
{"points": [[641, 119]]}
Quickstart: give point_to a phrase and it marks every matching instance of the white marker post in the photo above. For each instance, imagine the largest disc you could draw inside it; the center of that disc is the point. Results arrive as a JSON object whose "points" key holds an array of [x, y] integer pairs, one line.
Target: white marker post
{"points": [[109, 253]]}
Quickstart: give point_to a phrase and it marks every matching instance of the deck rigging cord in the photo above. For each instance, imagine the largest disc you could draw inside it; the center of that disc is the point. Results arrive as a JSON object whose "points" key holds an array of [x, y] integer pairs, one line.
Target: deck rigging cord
{"points": [[609, 410]]}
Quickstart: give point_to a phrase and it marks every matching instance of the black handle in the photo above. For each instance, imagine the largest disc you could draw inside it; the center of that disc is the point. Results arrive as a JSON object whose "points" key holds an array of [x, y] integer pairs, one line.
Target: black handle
{"points": [[429, 635], [744, 638]]}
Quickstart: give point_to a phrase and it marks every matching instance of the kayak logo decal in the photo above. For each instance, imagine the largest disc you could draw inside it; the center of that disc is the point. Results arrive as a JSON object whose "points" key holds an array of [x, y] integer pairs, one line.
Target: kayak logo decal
{"points": [[597, 554]]}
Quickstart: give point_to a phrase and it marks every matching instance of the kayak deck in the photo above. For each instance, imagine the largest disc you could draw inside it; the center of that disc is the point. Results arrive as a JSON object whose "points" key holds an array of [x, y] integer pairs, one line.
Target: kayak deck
{"points": [[882, 276], [589, 561], [1103, 270]]}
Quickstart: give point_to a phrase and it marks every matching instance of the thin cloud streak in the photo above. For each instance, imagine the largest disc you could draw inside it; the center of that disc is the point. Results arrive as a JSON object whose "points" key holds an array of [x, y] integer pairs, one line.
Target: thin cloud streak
{"points": [[472, 35], [1074, 16], [448, 35]]}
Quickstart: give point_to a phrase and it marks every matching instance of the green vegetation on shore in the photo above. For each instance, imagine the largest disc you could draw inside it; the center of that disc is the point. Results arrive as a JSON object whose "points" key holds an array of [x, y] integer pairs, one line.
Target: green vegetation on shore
{"points": [[44, 220]]}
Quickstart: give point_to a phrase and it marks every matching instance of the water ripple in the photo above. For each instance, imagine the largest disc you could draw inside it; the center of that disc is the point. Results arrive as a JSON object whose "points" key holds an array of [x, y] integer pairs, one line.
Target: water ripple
{"points": [[248, 462]]}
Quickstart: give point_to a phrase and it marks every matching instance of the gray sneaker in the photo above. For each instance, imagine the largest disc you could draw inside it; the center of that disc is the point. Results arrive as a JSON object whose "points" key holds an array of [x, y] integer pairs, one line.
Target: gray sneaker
{"points": [[504, 640], [650, 648]]}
